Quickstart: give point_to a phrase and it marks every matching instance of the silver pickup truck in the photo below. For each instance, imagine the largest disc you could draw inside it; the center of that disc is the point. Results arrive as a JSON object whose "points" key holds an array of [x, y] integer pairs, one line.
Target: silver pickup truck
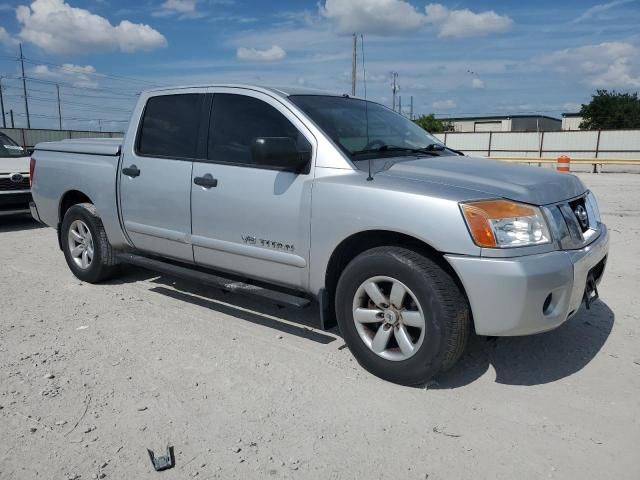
{"points": [[295, 195]]}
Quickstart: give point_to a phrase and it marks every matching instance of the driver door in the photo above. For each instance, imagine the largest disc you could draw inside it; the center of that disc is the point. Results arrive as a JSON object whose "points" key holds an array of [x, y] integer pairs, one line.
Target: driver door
{"points": [[249, 219]]}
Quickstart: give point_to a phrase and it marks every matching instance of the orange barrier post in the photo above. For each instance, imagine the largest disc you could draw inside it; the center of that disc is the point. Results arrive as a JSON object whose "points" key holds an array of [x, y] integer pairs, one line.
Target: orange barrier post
{"points": [[564, 164]]}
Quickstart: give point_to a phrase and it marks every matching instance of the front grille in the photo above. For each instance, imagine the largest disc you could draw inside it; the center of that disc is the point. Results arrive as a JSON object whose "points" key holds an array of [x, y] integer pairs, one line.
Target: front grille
{"points": [[569, 221], [579, 209], [6, 185]]}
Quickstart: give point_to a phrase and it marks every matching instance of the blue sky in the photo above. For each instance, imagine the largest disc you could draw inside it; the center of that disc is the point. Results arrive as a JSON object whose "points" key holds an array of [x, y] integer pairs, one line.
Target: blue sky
{"points": [[455, 58]]}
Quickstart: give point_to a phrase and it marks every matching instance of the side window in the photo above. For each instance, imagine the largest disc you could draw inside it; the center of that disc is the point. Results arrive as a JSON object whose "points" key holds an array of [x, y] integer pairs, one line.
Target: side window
{"points": [[237, 120], [169, 127]]}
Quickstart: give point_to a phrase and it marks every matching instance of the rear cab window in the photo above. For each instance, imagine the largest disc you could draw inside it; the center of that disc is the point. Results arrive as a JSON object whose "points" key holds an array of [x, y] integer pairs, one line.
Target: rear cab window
{"points": [[170, 126]]}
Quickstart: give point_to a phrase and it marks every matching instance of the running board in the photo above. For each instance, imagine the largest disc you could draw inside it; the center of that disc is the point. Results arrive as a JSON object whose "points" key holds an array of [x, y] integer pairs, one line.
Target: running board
{"points": [[222, 283]]}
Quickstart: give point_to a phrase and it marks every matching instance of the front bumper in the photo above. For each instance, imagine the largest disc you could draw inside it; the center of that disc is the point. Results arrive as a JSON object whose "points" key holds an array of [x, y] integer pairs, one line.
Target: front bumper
{"points": [[14, 203], [507, 295]]}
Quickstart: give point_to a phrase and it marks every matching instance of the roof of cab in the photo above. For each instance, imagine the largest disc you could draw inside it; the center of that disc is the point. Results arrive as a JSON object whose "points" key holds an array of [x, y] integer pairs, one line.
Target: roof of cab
{"points": [[282, 91]]}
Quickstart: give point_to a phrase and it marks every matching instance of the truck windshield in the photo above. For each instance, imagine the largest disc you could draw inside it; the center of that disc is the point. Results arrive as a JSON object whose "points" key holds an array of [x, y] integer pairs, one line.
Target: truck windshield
{"points": [[9, 148], [344, 119]]}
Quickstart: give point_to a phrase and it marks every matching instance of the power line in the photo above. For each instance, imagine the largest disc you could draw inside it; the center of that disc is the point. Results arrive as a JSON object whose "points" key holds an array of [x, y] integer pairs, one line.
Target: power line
{"points": [[51, 100], [104, 75], [75, 94], [70, 85], [70, 69], [41, 115]]}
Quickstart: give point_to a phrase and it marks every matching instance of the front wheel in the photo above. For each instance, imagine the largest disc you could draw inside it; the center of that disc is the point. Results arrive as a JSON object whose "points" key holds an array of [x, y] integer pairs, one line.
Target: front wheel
{"points": [[403, 316], [85, 245]]}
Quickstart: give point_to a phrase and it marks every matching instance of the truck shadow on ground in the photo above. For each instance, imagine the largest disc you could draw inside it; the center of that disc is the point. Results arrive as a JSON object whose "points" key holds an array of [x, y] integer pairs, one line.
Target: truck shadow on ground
{"points": [[535, 359], [289, 320], [17, 223], [528, 360]]}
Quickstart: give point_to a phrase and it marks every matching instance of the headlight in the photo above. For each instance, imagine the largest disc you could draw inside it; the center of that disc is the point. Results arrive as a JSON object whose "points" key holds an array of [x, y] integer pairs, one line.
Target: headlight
{"points": [[592, 209], [503, 224]]}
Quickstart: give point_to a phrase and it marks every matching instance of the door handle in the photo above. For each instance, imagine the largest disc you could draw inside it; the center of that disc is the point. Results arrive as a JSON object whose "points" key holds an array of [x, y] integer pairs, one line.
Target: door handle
{"points": [[131, 171], [206, 181]]}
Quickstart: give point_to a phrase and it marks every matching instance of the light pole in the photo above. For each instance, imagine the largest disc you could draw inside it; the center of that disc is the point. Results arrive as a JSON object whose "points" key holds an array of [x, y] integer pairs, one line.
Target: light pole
{"points": [[24, 88], [4, 120], [395, 88]]}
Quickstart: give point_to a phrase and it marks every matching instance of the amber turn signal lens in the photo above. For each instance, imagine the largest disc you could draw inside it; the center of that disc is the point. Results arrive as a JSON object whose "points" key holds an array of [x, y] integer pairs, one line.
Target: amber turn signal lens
{"points": [[478, 214]]}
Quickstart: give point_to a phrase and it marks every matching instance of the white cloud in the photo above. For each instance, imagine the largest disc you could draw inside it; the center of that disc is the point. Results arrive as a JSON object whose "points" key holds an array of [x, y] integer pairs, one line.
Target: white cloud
{"points": [[254, 54], [77, 75], [605, 65], [184, 9], [6, 40], [597, 10], [57, 27], [444, 104], [373, 16], [182, 6], [465, 23], [399, 16], [477, 83]]}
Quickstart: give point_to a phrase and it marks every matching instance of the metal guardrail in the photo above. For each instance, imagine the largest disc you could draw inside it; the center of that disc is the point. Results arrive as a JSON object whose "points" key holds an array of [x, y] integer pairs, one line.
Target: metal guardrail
{"points": [[579, 143], [595, 162]]}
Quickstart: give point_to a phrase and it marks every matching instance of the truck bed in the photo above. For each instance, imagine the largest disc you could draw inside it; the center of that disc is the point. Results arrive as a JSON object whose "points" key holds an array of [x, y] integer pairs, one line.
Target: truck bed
{"points": [[89, 146], [86, 165]]}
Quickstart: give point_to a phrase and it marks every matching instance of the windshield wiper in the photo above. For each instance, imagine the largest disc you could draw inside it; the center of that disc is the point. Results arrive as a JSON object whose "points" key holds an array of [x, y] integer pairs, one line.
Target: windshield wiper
{"points": [[394, 148]]}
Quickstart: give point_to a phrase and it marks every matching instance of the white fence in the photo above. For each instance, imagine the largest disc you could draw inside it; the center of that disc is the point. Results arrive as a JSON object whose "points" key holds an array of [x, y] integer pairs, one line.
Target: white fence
{"points": [[605, 144], [28, 137]]}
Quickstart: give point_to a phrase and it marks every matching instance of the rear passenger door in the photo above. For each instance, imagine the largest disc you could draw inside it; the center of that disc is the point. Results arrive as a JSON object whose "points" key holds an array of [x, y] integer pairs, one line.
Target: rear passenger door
{"points": [[251, 219], [155, 177]]}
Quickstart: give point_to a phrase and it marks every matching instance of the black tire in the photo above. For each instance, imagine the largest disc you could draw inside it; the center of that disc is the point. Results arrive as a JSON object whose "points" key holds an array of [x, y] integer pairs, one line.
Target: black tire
{"points": [[104, 264], [445, 308]]}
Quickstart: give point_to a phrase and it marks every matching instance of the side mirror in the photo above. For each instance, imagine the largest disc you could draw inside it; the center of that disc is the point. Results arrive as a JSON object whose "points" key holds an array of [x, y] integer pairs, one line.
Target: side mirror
{"points": [[280, 153]]}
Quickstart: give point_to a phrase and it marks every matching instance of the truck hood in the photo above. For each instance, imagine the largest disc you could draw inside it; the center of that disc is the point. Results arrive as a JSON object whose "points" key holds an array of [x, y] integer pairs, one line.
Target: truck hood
{"points": [[14, 165], [491, 178]]}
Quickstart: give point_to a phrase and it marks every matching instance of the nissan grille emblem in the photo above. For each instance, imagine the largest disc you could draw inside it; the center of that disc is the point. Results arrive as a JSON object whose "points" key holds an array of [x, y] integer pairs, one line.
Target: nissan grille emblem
{"points": [[16, 178], [581, 215]]}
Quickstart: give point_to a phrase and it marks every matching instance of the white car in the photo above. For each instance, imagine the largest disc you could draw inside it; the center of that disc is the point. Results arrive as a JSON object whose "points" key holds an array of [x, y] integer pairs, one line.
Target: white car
{"points": [[15, 191]]}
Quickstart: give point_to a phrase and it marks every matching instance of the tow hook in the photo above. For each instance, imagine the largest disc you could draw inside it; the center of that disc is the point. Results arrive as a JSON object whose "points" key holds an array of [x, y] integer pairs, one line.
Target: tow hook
{"points": [[590, 292]]}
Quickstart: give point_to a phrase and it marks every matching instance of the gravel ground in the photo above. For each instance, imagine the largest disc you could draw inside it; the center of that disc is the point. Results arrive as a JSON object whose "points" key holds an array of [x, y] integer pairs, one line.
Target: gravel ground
{"points": [[93, 375]]}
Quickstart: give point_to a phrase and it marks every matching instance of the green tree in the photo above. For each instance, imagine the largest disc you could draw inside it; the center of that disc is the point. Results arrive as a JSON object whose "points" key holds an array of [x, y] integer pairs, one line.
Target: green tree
{"points": [[611, 110], [432, 124]]}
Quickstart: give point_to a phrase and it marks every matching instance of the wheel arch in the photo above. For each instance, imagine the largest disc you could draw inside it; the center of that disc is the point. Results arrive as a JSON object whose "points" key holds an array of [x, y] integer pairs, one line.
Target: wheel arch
{"points": [[359, 242], [68, 200]]}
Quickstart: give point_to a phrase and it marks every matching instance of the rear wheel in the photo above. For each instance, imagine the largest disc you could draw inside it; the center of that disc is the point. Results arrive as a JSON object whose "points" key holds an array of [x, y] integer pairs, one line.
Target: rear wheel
{"points": [[85, 245], [403, 317]]}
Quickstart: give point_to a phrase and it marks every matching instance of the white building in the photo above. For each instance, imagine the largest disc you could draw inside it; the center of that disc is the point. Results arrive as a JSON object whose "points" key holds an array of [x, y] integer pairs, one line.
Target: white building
{"points": [[507, 123], [571, 121]]}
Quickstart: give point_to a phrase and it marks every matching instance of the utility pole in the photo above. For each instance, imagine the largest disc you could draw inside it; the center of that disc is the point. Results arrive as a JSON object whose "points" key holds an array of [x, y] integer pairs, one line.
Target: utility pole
{"points": [[395, 88], [354, 63], [400, 105], [59, 111], [24, 88], [4, 120], [411, 109], [11, 114]]}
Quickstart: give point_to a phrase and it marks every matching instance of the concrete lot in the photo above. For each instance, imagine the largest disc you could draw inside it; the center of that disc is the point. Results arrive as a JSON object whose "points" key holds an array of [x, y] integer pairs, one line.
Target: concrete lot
{"points": [[244, 390]]}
